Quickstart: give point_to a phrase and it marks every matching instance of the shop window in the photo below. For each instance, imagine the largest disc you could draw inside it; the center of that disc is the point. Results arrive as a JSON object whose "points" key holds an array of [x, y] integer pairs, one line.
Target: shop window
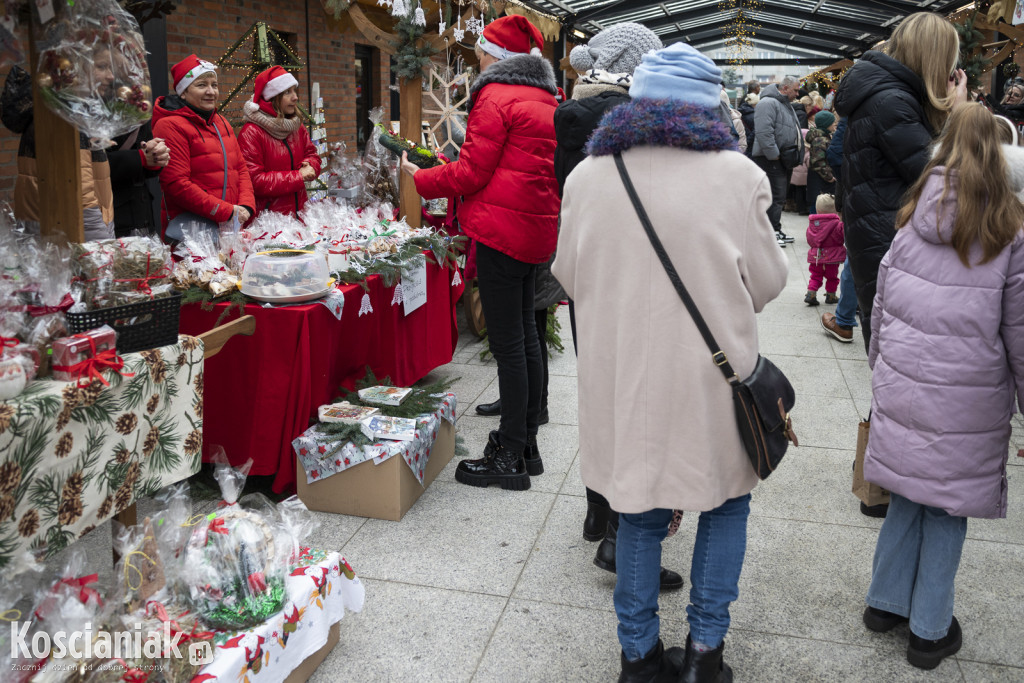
{"points": [[365, 95]]}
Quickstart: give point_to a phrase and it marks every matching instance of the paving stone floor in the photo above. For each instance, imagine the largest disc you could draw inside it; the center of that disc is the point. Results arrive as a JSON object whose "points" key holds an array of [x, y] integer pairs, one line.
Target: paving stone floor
{"points": [[489, 585]]}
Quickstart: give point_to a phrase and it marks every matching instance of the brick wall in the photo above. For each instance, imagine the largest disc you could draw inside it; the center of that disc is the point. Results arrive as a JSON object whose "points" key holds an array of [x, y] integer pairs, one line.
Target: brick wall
{"points": [[208, 28]]}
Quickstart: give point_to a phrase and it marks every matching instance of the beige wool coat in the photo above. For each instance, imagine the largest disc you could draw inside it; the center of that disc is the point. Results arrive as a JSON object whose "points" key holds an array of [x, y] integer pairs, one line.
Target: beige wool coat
{"points": [[656, 420]]}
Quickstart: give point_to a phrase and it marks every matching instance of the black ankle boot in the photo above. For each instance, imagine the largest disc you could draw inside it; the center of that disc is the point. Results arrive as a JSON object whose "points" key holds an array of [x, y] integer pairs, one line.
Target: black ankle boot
{"points": [[534, 465], [596, 521], [928, 654], [657, 666], [605, 558], [489, 409], [499, 465], [705, 667]]}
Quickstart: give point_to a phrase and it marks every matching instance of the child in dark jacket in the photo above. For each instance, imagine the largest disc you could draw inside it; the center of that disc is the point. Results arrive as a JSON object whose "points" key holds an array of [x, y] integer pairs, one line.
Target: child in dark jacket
{"points": [[825, 238]]}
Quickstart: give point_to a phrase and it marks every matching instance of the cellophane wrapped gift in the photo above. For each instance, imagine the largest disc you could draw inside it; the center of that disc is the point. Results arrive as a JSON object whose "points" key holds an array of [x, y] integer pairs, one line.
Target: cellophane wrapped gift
{"points": [[345, 172], [120, 271], [18, 583], [48, 297], [69, 603], [92, 69], [70, 353], [273, 230], [380, 168], [233, 565], [199, 262]]}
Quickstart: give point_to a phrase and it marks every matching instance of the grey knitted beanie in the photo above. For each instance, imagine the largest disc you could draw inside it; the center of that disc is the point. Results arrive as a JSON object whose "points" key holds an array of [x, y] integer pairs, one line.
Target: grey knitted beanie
{"points": [[617, 49]]}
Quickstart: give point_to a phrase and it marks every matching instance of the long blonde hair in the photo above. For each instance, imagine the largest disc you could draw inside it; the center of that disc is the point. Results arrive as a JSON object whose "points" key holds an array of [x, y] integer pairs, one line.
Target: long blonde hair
{"points": [[987, 209], [928, 45]]}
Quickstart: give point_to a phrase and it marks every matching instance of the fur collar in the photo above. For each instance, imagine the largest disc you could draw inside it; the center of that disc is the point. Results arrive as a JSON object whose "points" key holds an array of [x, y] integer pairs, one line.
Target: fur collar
{"points": [[521, 70], [279, 128], [660, 123], [585, 90]]}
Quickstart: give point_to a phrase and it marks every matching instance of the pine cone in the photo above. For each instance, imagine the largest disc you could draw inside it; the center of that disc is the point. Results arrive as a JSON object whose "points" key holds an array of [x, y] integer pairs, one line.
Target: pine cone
{"points": [[199, 407], [7, 413], [105, 507], [151, 356], [64, 417], [126, 424], [123, 497], [10, 477], [75, 484], [64, 445], [153, 404], [149, 445], [193, 442], [6, 507], [70, 508], [181, 360], [189, 343], [132, 476], [70, 394], [122, 456], [87, 530], [29, 524], [88, 395], [158, 371], [198, 383]]}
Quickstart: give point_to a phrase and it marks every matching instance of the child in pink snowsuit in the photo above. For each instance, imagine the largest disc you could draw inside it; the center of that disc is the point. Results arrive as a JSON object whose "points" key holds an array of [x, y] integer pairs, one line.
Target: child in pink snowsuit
{"points": [[825, 238]]}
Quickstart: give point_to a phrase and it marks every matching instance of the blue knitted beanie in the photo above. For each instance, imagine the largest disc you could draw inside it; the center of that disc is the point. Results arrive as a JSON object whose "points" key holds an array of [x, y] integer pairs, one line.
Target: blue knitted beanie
{"points": [[678, 72]]}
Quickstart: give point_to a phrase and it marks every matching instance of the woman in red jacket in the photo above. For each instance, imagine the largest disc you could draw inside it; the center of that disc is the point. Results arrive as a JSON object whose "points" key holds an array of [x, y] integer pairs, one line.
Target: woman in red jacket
{"points": [[278, 152], [206, 179], [506, 173]]}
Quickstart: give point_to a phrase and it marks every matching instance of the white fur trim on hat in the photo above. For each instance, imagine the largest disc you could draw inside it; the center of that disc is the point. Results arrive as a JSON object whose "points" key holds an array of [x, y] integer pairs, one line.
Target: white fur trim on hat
{"points": [[495, 50], [276, 86], [204, 67]]}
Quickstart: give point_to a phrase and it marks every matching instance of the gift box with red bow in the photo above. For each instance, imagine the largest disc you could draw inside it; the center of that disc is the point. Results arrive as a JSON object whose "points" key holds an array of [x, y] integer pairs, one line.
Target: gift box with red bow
{"points": [[84, 356]]}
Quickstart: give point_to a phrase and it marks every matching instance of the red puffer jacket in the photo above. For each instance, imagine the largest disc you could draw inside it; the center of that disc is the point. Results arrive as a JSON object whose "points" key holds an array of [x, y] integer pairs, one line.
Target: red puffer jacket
{"points": [[202, 154], [506, 168], [274, 167]]}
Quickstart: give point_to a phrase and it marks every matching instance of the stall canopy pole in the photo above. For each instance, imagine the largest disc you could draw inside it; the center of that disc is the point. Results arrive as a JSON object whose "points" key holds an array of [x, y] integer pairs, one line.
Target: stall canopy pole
{"points": [[411, 128], [57, 166]]}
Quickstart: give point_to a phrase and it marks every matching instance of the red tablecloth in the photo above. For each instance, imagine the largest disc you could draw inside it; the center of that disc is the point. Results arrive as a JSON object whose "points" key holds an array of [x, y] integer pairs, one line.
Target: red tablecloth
{"points": [[262, 390]]}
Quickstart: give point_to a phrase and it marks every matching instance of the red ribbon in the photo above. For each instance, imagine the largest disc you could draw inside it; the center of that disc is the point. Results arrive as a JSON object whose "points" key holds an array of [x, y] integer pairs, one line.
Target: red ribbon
{"points": [[89, 369], [9, 341], [161, 613], [216, 527], [257, 582], [39, 311], [82, 584], [132, 675]]}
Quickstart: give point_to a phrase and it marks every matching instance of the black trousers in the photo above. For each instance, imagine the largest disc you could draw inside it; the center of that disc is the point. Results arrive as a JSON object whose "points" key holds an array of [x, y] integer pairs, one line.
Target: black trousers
{"points": [[816, 185], [506, 294], [778, 179], [540, 319]]}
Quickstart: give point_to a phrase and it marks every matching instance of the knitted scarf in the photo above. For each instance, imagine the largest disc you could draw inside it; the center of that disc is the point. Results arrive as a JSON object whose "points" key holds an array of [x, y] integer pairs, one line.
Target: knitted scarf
{"points": [[660, 123], [278, 127], [597, 81]]}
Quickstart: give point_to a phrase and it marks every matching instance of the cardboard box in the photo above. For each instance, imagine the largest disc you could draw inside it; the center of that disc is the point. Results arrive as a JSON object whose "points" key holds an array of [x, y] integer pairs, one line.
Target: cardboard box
{"points": [[310, 664], [384, 491]]}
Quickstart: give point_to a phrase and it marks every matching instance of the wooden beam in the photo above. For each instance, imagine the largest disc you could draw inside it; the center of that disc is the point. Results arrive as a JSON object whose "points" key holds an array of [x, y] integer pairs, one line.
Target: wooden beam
{"points": [[377, 37], [410, 128], [57, 166], [215, 339]]}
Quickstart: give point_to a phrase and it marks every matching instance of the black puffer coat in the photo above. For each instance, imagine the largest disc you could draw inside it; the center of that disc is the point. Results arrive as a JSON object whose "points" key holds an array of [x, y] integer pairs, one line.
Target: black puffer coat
{"points": [[575, 120], [884, 153], [747, 116]]}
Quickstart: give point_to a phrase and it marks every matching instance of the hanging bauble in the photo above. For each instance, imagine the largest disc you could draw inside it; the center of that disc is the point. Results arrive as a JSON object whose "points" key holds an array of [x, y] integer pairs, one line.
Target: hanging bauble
{"points": [[399, 8], [123, 93], [44, 80]]}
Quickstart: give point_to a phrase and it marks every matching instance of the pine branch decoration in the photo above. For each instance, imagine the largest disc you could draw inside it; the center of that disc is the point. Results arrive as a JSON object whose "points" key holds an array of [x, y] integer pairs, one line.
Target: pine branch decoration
{"points": [[420, 401], [412, 54]]}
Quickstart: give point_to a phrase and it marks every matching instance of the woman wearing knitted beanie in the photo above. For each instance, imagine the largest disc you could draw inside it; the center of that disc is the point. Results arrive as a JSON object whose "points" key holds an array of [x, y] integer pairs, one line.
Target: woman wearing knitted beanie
{"points": [[657, 426], [605, 66], [278, 151], [505, 173]]}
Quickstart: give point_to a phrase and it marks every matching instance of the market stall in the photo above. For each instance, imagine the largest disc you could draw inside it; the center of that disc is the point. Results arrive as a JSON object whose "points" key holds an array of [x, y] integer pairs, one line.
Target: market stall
{"points": [[264, 393]]}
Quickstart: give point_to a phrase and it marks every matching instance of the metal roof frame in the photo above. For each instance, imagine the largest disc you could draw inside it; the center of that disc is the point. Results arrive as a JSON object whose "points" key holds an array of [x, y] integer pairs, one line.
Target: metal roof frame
{"points": [[840, 28]]}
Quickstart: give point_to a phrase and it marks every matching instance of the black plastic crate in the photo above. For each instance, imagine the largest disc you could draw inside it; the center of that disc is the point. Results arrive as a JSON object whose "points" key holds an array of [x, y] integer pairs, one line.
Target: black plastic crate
{"points": [[141, 326]]}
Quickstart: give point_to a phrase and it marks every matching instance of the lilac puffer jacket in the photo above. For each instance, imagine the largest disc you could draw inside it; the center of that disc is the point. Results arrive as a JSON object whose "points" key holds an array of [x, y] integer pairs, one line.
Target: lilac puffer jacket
{"points": [[948, 360]]}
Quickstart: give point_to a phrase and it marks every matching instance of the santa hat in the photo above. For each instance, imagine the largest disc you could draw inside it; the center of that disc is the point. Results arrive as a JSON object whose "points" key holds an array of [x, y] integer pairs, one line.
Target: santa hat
{"points": [[188, 70], [269, 85], [510, 37]]}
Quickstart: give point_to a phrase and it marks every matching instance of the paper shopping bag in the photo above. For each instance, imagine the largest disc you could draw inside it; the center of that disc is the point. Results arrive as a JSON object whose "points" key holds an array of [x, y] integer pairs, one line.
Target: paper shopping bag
{"points": [[869, 494]]}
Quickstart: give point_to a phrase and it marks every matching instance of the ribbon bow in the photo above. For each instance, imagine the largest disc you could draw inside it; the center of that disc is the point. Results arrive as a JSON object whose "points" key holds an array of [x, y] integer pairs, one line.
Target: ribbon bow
{"points": [[82, 584], [38, 311], [216, 527], [91, 368]]}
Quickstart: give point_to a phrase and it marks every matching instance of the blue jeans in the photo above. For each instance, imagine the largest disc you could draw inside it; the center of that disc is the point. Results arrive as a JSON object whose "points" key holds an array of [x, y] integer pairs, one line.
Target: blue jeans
{"points": [[718, 552], [846, 311], [916, 561]]}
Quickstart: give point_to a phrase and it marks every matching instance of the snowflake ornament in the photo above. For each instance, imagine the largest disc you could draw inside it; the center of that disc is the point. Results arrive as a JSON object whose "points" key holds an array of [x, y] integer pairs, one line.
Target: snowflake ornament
{"points": [[474, 25], [440, 28]]}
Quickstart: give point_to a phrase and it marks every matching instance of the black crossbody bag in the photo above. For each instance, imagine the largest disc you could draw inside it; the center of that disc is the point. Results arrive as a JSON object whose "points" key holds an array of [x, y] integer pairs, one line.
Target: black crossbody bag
{"points": [[762, 400]]}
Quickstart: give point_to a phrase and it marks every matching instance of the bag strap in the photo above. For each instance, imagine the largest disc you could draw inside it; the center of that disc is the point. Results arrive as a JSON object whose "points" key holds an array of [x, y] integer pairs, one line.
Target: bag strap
{"points": [[717, 355]]}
